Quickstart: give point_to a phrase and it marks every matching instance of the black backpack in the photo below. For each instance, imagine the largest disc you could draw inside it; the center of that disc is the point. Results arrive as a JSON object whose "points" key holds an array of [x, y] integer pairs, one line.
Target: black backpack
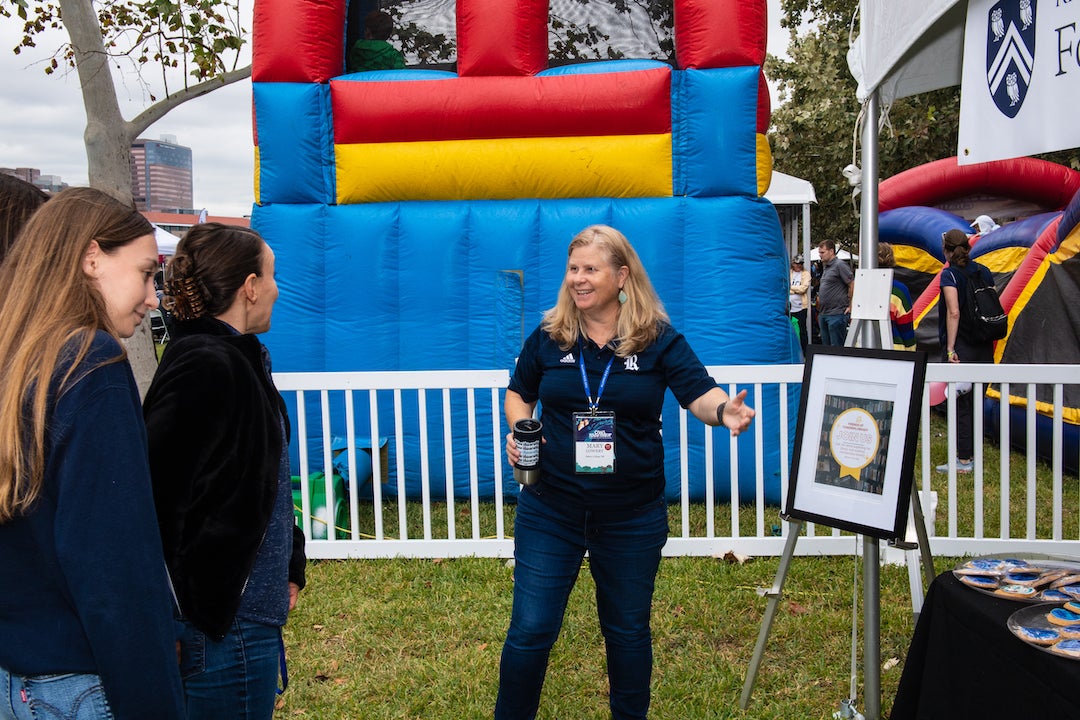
{"points": [[982, 319]]}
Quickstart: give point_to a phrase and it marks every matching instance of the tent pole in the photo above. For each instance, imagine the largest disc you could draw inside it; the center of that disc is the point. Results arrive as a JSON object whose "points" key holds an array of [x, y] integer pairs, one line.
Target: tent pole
{"points": [[868, 246]]}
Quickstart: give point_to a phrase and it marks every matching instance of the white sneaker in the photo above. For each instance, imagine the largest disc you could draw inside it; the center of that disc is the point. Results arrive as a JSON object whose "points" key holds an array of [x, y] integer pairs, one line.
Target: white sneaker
{"points": [[961, 467]]}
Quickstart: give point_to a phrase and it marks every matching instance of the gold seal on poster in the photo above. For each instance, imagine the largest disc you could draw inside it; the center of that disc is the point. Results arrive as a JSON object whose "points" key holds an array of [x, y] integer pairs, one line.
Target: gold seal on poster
{"points": [[853, 441]]}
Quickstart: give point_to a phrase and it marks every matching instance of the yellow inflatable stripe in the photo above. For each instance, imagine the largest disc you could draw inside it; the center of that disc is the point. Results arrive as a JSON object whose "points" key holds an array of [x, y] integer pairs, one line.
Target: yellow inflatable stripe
{"points": [[1020, 303], [916, 259], [764, 164], [1068, 414], [257, 175], [1005, 259], [560, 167]]}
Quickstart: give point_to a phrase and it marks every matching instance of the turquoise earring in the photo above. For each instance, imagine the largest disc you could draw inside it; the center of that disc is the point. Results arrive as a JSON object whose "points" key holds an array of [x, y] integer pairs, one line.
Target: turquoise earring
{"points": [[622, 297]]}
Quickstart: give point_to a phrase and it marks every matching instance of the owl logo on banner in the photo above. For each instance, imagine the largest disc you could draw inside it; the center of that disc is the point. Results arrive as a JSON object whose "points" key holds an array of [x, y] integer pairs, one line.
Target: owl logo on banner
{"points": [[1010, 53]]}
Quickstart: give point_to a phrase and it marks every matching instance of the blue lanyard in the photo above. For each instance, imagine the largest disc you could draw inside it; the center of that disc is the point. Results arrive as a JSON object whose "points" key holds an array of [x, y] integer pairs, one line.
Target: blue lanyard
{"points": [[593, 406]]}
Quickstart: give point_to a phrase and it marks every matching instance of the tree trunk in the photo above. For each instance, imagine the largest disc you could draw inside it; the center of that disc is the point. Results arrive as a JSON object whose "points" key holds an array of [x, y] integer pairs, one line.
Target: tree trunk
{"points": [[108, 137]]}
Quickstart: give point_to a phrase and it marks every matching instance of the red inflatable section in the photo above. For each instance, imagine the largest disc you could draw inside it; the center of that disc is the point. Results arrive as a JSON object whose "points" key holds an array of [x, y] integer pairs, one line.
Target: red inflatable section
{"points": [[1046, 184], [297, 41], [637, 103], [764, 107], [1044, 244], [720, 33], [496, 37]]}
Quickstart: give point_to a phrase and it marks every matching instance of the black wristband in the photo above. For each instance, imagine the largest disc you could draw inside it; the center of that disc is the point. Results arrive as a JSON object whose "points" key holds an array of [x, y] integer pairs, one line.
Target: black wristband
{"points": [[720, 413]]}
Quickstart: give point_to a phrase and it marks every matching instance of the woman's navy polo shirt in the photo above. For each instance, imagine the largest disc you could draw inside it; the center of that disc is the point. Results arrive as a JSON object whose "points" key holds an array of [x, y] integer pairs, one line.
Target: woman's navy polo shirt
{"points": [[634, 392]]}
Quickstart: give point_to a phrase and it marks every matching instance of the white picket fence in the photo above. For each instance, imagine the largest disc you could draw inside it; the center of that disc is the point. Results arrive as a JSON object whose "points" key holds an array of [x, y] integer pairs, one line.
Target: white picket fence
{"points": [[472, 526]]}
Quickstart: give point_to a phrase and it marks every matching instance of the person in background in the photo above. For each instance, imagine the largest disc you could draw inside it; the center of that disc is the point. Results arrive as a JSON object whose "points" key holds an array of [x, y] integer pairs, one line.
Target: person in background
{"points": [[18, 201], [86, 619], [956, 347], [373, 52], [797, 300], [984, 224], [900, 313], [599, 364], [834, 295], [219, 460]]}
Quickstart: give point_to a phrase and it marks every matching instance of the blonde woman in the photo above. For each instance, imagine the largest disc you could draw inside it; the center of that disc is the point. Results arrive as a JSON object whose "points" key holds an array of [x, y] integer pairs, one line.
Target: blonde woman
{"points": [[86, 621], [599, 364]]}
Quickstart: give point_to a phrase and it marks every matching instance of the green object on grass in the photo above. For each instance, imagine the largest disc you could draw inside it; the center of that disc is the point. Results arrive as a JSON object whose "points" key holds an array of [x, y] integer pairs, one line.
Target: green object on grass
{"points": [[319, 516]]}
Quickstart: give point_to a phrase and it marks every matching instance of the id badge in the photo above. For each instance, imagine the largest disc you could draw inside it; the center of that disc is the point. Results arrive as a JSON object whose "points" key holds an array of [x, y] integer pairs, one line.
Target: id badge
{"points": [[594, 443]]}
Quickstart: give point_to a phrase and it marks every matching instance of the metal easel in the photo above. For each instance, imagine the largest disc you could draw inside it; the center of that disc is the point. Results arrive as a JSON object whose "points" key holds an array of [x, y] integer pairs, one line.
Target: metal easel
{"points": [[870, 320]]}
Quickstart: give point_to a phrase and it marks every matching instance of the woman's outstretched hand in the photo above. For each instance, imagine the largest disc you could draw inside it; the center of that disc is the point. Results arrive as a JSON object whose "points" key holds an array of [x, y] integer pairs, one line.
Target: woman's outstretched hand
{"points": [[737, 414]]}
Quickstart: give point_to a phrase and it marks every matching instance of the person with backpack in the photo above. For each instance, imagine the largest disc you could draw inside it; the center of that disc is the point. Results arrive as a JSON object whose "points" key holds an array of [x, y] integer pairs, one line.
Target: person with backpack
{"points": [[960, 332]]}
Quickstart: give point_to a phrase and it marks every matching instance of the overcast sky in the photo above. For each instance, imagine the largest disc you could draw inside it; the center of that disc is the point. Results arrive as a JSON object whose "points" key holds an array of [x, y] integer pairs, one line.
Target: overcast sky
{"points": [[42, 121]]}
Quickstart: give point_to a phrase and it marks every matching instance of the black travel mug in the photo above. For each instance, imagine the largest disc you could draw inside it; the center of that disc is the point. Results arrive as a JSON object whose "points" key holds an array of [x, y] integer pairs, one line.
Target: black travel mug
{"points": [[527, 436]]}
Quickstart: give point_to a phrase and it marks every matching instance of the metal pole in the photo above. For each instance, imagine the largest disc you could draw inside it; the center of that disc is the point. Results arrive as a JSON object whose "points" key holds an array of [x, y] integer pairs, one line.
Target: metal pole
{"points": [[872, 628], [774, 594], [868, 246], [868, 207]]}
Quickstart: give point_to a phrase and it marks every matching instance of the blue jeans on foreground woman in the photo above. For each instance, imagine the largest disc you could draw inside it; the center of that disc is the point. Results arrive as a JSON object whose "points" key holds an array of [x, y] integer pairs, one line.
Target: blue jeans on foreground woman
{"points": [[235, 679], [69, 696], [624, 555]]}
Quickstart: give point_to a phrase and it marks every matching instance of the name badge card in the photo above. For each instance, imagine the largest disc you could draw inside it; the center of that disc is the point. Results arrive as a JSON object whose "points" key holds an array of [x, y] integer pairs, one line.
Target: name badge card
{"points": [[594, 442]]}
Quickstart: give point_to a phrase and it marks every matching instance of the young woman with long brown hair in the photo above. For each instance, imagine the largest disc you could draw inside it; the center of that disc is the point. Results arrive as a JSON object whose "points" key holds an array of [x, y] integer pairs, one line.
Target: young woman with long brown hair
{"points": [[86, 622]]}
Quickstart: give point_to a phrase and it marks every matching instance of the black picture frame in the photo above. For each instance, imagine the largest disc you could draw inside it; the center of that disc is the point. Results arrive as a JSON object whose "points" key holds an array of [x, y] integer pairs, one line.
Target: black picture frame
{"points": [[853, 461]]}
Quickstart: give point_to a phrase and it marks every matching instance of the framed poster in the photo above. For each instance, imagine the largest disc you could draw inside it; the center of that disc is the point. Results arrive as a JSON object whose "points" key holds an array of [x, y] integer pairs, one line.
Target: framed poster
{"points": [[855, 441]]}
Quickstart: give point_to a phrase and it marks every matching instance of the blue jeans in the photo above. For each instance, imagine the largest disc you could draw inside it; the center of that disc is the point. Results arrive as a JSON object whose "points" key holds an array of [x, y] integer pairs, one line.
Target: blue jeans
{"points": [[834, 329], [235, 679], [624, 555], [68, 696]]}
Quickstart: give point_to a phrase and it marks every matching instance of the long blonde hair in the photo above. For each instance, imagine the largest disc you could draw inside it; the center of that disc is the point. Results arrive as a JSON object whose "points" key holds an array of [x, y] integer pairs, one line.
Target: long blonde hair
{"points": [[49, 311], [640, 317]]}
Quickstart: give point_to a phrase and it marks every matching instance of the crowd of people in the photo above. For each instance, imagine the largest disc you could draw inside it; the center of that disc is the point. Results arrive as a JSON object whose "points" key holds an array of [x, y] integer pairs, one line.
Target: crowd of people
{"points": [[819, 300], [149, 547]]}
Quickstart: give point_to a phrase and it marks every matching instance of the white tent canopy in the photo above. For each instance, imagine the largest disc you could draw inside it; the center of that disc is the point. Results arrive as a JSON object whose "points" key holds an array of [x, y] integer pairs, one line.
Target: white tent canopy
{"points": [[789, 190], [907, 48], [166, 241]]}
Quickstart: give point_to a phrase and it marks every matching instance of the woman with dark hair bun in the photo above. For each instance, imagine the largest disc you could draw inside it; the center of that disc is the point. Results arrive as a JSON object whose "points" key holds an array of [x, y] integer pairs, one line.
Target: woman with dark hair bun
{"points": [[956, 343], [219, 459]]}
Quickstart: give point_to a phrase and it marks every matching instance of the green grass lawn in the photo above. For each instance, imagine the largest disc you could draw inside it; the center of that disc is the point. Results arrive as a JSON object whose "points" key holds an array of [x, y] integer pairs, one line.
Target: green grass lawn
{"points": [[421, 639]]}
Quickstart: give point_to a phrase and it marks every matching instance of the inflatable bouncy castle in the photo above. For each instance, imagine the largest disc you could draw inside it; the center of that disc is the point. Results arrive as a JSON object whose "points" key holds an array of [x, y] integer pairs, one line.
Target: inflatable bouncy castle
{"points": [[421, 217], [1035, 267]]}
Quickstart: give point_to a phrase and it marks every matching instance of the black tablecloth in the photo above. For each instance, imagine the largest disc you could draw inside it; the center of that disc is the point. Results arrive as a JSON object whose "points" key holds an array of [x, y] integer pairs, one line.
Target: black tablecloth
{"points": [[965, 663]]}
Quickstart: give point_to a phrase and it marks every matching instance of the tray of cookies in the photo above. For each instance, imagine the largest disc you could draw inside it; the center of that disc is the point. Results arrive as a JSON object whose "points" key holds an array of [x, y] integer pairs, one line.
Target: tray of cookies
{"points": [[1024, 580], [1049, 627]]}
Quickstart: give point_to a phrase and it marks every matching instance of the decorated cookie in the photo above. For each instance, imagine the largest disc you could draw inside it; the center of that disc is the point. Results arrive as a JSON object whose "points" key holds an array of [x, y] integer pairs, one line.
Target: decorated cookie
{"points": [[1038, 636], [1071, 605], [1070, 632], [1024, 578], [1053, 596], [1072, 591], [981, 581], [1067, 647], [982, 566], [1015, 591], [1061, 616], [1066, 580]]}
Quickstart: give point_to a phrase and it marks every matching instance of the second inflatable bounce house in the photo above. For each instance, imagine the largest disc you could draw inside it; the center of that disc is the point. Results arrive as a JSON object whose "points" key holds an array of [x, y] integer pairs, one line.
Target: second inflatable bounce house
{"points": [[421, 217]]}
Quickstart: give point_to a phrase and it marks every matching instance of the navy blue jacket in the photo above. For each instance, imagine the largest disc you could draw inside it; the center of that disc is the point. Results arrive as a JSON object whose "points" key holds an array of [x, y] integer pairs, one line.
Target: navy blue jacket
{"points": [[83, 577]]}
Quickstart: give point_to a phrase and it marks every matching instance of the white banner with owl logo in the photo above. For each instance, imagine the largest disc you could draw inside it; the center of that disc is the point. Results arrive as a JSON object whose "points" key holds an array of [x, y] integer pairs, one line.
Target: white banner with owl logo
{"points": [[1021, 79]]}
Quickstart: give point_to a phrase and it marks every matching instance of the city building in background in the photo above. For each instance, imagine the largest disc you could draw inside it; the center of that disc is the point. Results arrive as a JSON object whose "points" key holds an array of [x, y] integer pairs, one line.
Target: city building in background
{"points": [[179, 223], [161, 178], [48, 183]]}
